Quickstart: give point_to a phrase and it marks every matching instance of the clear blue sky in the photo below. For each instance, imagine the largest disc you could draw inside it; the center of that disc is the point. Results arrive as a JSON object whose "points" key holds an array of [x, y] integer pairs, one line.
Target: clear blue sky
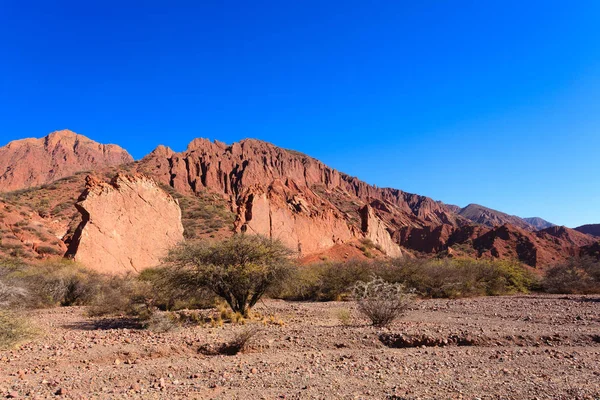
{"points": [[489, 102]]}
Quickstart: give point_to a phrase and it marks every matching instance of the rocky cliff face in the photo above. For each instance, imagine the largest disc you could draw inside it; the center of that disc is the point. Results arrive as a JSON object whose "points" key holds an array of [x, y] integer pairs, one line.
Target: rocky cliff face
{"points": [[32, 162], [311, 207], [126, 225], [250, 186], [288, 195]]}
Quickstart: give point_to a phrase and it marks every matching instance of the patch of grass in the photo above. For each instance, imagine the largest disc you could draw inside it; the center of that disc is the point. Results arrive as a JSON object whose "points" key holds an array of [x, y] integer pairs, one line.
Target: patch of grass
{"points": [[14, 329], [344, 316]]}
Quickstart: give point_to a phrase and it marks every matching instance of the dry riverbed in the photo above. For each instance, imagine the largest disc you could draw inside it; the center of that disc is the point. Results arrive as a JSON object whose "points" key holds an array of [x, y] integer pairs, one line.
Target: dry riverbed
{"points": [[521, 347]]}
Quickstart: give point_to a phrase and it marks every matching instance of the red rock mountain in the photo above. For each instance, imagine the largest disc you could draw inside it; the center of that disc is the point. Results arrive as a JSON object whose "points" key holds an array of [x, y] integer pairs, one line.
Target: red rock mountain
{"points": [[287, 195], [253, 186], [32, 162], [313, 208]]}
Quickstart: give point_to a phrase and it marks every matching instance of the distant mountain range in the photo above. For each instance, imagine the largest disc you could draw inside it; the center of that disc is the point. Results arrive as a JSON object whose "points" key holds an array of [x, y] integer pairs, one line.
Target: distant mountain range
{"points": [[489, 217], [591, 229], [254, 186]]}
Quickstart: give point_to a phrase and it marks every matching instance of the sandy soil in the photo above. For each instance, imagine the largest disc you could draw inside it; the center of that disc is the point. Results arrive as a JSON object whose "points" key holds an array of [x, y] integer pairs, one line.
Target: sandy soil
{"points": [[526, 347]]}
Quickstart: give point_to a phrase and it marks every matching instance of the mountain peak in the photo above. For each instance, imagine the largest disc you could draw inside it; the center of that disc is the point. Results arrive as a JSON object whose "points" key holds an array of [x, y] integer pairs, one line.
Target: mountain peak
{"points": [[32, 162]]}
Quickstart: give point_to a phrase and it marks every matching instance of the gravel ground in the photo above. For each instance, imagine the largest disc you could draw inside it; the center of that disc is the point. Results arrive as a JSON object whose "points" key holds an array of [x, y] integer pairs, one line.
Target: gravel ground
{"points": [[522, 347]]}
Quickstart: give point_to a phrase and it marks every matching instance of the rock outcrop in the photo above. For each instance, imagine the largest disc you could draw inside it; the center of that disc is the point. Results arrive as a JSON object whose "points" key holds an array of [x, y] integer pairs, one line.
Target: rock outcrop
{"points": [[311, 207], [127, 225], [32, 162], [294, 216], [378, 232]]}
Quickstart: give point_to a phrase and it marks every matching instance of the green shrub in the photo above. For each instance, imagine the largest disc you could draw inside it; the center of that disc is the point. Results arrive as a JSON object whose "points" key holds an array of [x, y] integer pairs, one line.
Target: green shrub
{"points": [[171, 290], [239, 269]]}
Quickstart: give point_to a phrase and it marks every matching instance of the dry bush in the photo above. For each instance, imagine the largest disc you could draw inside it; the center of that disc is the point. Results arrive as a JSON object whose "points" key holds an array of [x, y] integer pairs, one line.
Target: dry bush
{"points": [[577, 276], [447, 278], [238, 344], [160, 322], [122, 295], [46, 284], [344, 316], [382, 302], [14, 329]]}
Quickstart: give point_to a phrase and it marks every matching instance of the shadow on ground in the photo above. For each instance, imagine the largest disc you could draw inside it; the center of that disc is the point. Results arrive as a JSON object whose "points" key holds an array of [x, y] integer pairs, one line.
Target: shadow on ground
{"points": [[106, 324]]}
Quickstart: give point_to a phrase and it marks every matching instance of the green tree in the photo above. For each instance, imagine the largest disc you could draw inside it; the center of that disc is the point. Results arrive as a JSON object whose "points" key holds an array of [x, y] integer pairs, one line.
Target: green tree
{"points": [[239, 269]]}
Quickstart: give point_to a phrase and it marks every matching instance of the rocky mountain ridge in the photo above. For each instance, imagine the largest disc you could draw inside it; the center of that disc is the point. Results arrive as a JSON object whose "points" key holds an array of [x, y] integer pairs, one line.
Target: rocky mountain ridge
{"points": [[321, 213]]}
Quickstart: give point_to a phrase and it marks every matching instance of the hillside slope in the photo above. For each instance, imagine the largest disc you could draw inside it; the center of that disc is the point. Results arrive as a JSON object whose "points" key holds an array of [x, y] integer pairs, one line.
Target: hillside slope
{"points": [[590, 229]]}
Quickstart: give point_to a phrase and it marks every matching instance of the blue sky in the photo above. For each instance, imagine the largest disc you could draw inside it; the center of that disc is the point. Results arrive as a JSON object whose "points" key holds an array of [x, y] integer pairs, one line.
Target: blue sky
{"points": [[489, 102]]}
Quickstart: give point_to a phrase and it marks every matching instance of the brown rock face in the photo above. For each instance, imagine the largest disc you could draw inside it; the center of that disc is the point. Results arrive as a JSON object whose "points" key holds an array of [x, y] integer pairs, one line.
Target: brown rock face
{"points": [[32, 162], [378, 232], [127, 225]]}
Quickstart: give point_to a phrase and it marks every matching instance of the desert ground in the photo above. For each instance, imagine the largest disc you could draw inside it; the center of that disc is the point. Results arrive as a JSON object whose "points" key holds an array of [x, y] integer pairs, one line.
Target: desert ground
{"points": [[518, 347]]}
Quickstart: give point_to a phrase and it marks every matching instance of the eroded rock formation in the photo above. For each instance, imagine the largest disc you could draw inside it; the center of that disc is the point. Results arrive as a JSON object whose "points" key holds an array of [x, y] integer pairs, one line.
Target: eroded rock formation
{"points": [[293, 197], [32, 162], [127, 225]]}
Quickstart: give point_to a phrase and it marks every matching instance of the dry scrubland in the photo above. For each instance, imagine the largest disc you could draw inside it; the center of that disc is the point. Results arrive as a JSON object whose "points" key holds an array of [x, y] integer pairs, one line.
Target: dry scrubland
{"points": [[522, 347], [72, 333]]}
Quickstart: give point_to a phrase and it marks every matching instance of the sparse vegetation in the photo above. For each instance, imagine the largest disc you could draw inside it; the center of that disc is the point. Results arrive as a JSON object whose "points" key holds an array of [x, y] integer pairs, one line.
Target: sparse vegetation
{"points": [[380, 301], [450, 278], [581, 276], [237, 344], [48, 283], [202, 214], [14, 329]]}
